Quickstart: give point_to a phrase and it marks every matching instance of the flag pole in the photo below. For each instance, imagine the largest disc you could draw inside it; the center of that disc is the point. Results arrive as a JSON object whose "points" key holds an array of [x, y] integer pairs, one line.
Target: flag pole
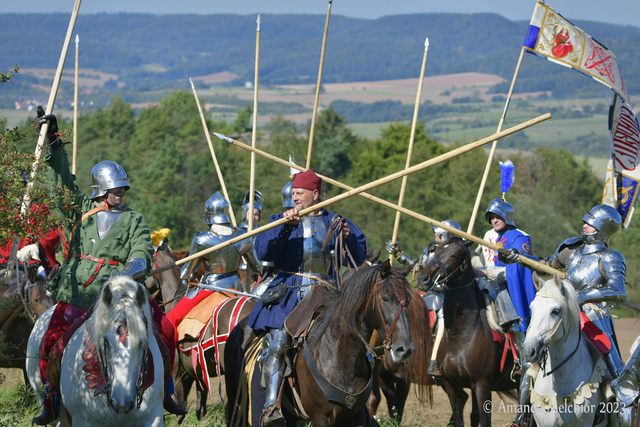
{"points": [[355, 191], [315, 104], [493, 146], [213, 154], [44, 129], [396, 225], [75, 111], [254, 132]]}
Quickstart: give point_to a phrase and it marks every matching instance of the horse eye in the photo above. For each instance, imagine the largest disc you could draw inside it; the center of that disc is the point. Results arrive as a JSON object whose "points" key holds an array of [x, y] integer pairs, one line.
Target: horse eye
{"points": [[555, 311], [386, 299]]}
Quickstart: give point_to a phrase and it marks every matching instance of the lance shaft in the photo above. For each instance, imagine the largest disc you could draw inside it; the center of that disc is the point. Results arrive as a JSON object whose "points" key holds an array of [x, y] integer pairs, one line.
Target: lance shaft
{"points": [[315, 104], [213, 153], [361, 189], [75, 111], [254, 131], [396, 224]]}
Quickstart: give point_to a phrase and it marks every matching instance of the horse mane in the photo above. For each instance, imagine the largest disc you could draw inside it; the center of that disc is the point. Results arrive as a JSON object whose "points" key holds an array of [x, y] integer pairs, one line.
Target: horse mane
{"points": [[123, 305], [418, 363], [349, 305], [564, 295]]}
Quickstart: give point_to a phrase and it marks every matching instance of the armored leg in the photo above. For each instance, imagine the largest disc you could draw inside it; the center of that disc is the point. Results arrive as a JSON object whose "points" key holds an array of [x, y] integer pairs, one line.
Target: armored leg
{"points": [[273, 351], [522, 419], [433, 363], [626, 384]]}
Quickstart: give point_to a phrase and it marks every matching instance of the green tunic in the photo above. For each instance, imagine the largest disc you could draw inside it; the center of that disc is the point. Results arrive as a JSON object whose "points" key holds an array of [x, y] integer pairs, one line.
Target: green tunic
{"points": [[128, 238]]}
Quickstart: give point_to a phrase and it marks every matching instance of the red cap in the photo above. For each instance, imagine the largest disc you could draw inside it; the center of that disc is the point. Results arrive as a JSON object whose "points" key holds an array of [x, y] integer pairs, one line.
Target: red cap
{"points": [[307, 180]]}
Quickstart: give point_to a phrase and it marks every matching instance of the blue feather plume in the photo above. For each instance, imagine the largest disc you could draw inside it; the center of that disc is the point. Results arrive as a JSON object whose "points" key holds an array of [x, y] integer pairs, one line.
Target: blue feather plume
{"points": [[507, 175]]}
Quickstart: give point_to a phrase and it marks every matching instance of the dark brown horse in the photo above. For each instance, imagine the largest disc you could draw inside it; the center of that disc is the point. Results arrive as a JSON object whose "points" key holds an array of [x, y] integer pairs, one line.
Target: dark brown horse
{"points": [[20, 305], [370, 299], [468, 356], [166, 287]]}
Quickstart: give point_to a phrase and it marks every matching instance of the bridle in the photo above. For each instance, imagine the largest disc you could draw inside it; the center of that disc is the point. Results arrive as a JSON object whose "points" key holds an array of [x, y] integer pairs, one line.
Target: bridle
{"points": [[448, 276], [386, 343]]}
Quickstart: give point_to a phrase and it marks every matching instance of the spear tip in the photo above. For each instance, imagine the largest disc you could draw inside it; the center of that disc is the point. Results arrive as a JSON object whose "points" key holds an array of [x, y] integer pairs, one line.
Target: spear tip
{"points": [[426, 45], [258, 22], [77, 40], [192, 86], [223, 137]]}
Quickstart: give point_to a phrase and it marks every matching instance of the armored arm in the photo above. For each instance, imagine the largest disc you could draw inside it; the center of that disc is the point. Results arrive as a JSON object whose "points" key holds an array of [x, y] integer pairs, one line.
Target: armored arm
{"points": [[136, 268], [187, 267], [394, 249], [612, 267], [245, 248]]}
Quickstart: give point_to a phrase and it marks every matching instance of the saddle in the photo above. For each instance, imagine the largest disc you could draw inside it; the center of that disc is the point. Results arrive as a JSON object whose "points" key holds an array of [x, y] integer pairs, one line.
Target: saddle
{"points": [[195, 321], [308, 309]]}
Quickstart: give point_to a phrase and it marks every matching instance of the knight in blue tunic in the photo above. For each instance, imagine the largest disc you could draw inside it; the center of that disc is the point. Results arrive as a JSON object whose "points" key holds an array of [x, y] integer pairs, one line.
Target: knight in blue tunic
{"points": [[296, 249]]}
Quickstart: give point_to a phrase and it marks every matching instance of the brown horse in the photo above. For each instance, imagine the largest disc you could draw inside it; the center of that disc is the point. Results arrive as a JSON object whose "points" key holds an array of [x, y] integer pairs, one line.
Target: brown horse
{"points": [[468, 356], [331, 377], [22, 301], [169, 290]]}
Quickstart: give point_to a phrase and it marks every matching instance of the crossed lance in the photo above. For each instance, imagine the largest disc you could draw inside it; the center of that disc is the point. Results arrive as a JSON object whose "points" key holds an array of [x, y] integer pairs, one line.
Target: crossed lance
{"points": [[360, 191]]}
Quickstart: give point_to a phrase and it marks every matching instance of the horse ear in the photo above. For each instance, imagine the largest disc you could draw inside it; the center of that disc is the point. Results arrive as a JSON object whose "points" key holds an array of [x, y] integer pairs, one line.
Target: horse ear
{"points": [[385, 269], [469, 243], [537, 282], [141, 296], [558, 282], [107, 296], [376, 256]]}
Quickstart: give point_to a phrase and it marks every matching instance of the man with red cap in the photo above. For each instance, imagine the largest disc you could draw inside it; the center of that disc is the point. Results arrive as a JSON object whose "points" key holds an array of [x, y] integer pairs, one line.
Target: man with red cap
{"points": [[296, 249]]}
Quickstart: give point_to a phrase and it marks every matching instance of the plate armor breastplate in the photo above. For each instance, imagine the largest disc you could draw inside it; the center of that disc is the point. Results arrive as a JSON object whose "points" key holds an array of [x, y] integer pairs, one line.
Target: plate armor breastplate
{"points": [[583, 270], [221, 261], [105, 220], [315, 232]]}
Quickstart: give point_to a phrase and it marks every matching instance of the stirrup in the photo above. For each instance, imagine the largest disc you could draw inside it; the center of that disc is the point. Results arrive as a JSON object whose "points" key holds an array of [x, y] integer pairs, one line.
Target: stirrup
{"points": [[433, 367], [272, 417]]}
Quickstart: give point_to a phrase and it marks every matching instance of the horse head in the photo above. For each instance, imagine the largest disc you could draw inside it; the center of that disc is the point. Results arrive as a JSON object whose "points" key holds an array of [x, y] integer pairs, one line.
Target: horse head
{"points": [[119, 333], [450, 262], [386, 311], [555, 313]]}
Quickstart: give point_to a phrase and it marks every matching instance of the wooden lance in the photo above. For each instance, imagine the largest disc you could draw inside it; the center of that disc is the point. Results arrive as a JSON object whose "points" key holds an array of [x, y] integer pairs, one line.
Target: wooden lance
{"points": [[396, 225], [26, 202], [75, 111], [315, 104], [359, 190], [254, 131], [213, 154], [493, 147]]}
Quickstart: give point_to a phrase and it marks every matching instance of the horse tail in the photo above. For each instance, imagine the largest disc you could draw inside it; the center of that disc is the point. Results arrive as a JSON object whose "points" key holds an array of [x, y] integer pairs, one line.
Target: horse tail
{"points": [[418, 363]]}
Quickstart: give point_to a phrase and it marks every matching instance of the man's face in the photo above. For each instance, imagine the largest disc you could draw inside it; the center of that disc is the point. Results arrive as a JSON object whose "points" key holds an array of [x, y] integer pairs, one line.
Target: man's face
{"points": [[588, 229], [497, 222], [304, 198], [114, 196], [256, 215], [437, 237]]}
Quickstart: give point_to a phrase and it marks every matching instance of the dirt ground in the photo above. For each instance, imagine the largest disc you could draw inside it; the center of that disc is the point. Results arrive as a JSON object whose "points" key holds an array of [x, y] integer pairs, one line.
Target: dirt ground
{"points": [[417, 413]]}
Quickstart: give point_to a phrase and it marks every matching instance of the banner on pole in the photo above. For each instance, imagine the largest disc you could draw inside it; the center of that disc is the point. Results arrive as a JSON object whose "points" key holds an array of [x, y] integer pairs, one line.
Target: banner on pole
{"points": [[553, 37], [623, 175]]}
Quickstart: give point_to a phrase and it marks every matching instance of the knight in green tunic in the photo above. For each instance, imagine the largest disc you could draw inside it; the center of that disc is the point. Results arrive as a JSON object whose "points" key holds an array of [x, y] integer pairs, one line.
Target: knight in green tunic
{"points": [[105, 238]]}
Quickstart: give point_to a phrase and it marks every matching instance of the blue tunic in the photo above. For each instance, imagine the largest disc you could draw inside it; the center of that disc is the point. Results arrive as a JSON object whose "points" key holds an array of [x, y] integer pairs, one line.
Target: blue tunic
{"points": [[519, 279], [283, 246]]}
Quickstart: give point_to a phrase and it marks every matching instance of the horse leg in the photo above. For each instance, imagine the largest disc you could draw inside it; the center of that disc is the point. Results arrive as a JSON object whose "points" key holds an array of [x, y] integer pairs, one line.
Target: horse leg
{"points": [[201, 404], [388, 387], [481, 393], [374, 398], [457, 398]]}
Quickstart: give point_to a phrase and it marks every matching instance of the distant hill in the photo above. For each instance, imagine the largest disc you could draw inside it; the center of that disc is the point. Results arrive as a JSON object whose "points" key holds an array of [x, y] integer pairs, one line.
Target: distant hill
{"points": [[153, 51]]}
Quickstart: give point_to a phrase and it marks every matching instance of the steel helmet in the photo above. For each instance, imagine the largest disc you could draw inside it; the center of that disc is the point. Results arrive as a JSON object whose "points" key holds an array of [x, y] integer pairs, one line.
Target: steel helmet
{"points": [[444, 234], [107, 175], [504, 209], [216, 210], [258, 199], [605, 219], [287, 195]]}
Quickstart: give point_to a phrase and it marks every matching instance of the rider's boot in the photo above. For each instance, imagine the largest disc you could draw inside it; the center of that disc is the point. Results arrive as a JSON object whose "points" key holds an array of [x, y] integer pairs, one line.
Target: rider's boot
{"points": [[48, 414], [272, 371], [524, 414], [170, 405], [433, 363]]}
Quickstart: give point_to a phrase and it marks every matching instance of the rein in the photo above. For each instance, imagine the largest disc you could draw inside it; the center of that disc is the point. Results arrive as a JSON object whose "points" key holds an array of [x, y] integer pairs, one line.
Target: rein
{"points": [[448, 275]]}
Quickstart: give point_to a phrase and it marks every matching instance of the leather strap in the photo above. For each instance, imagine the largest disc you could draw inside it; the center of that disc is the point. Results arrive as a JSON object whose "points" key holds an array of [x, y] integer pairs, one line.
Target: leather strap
{"points": [[65, 244], [99, 261]]}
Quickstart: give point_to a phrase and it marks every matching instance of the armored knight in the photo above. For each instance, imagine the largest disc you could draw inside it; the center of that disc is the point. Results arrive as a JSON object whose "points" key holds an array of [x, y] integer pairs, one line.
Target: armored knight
{"points": [[258, 200], [296, 250], [107, 238], [220, 267], [440, 235], [597, 272]]}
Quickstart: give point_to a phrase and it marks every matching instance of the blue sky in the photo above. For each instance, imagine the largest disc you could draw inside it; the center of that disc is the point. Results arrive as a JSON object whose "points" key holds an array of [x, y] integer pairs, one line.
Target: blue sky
{"points": [[625, 12]]}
